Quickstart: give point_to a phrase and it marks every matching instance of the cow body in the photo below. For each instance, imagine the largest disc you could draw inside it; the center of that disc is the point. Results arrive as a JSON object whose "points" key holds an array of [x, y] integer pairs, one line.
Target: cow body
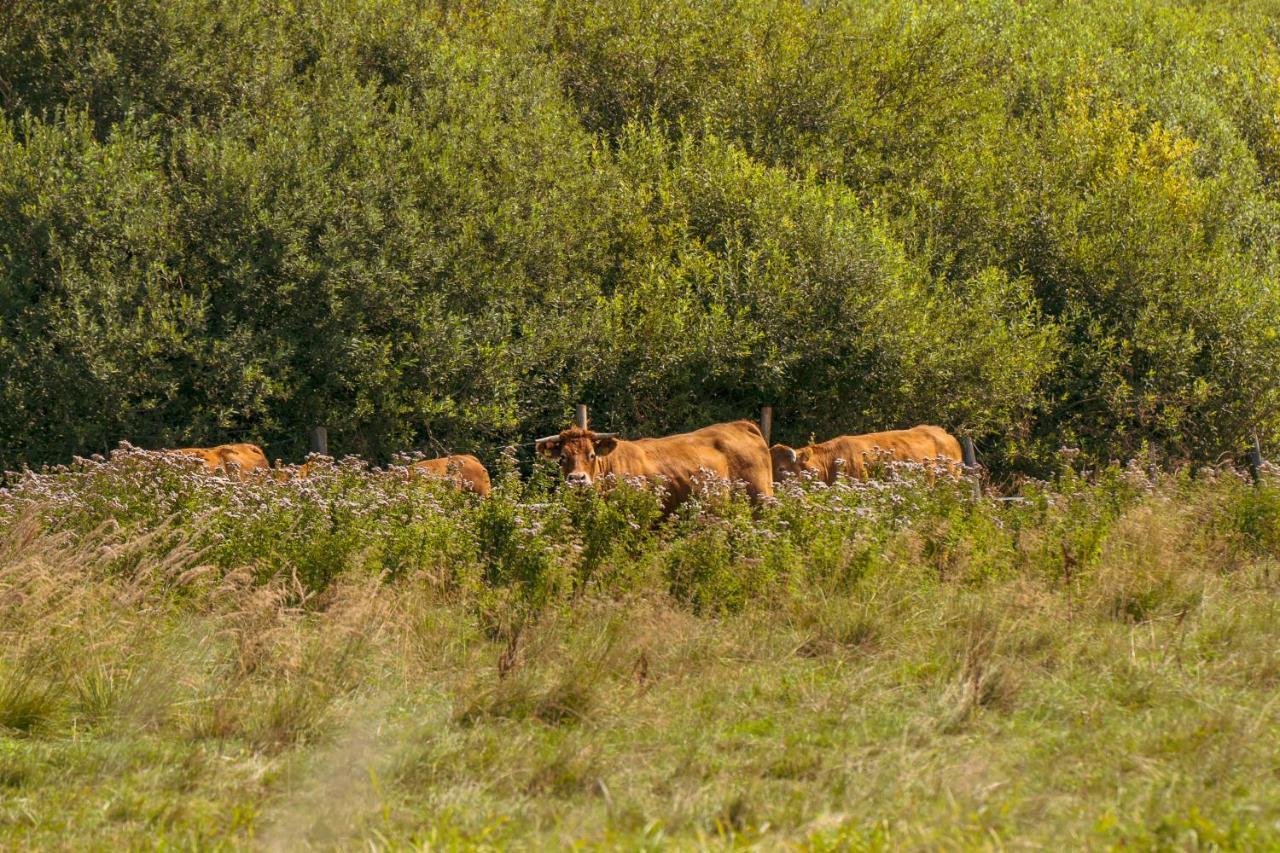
{"points": [[238, 459], [849, 454], [734, 452], [465, 470]]}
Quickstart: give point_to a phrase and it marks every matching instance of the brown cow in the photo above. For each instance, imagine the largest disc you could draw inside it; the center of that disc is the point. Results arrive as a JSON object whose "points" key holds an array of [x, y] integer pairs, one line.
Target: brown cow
{"points": [[284, 473], [240, 459], [465, 470], [733, 451], [917, 444]]}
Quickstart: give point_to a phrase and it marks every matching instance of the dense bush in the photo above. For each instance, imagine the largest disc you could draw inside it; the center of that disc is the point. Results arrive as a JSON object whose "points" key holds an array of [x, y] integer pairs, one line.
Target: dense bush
{"points": [[441, 224]]}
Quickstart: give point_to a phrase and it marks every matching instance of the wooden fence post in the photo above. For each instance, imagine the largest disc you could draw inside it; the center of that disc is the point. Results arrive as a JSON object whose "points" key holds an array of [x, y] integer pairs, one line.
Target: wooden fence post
{"points": [[766, 422], [320, 440], [971, 465], [580, 415], [1255, 459]]}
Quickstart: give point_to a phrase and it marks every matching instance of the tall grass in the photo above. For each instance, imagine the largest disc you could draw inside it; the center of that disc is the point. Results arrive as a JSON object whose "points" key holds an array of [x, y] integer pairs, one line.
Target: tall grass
{"points": [[362, 658]]}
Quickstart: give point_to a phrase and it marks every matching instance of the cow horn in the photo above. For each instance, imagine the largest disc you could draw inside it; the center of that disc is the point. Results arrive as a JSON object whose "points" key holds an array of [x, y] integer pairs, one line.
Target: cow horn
{"points": [[791, 453], [605, 434], [546, 438]]}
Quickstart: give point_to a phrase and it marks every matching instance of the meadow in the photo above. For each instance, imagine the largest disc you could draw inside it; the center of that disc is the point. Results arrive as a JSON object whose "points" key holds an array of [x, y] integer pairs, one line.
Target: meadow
{"points": [[360, 659], [440, 224]]}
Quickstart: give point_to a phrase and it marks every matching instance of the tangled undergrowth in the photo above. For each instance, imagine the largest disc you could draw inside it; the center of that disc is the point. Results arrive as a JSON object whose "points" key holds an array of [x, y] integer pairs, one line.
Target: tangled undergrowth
{"points": [[358, 657]]}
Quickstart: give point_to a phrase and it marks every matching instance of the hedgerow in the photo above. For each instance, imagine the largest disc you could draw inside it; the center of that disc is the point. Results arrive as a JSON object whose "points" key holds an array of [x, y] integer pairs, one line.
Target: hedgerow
{"points": [[441, 225]]}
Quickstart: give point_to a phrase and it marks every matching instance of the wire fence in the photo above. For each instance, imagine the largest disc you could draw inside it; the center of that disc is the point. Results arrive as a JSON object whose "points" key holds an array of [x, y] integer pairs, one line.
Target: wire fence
{"points": [[14, 459]]}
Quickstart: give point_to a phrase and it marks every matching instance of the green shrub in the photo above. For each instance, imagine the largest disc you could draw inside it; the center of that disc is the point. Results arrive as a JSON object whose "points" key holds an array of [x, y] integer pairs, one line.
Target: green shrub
{"points": [[1255, 514], [715, 561], [443, 226]]}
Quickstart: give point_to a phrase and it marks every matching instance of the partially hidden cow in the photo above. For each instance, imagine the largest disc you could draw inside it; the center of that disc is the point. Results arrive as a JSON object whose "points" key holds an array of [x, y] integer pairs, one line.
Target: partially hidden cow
{"points": [[238, 459], [728, 452], [285, 473], [849, 454], [466, 472]]}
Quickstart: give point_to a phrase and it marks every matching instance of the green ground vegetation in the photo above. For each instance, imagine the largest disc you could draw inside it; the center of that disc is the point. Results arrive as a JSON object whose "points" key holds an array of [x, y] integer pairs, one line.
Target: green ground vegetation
{"points": [[357, 659]]}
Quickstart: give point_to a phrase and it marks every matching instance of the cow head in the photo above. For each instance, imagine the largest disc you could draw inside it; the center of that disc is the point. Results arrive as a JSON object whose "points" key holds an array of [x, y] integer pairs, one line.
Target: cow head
{"points": [[785, 462], [579, 452], [788, 462]]}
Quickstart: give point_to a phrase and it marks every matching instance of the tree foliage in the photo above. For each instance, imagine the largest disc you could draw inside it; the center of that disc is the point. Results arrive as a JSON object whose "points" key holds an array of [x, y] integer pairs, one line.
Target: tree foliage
{"points": [[442, 224]]}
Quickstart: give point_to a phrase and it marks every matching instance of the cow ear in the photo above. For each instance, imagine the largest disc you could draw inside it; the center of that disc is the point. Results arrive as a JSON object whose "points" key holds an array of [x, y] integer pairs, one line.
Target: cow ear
{"points": [[548, 447], [803, 455], [604, 444]]}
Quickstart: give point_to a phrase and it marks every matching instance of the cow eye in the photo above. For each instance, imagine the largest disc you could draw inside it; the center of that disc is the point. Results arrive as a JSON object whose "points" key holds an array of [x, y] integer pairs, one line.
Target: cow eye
{"points": [[591, 456]]}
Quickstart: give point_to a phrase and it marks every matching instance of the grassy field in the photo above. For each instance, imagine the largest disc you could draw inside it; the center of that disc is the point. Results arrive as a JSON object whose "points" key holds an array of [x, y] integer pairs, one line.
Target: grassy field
{"points": [[360, 660]]}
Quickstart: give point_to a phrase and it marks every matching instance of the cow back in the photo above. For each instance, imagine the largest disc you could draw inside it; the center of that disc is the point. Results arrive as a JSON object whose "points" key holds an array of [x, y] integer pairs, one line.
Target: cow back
{"points": [[918, 444], [466, 471], [733, 451], [241, 458]]}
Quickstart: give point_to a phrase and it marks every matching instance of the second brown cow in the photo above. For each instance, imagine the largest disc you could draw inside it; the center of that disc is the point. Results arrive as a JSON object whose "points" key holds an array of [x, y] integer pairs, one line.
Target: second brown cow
{"points": [[238, 459], [464, 470], [849, 454]]}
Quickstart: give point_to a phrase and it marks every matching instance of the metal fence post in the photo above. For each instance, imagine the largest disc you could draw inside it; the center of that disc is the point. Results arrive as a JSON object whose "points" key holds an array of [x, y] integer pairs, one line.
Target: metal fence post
{"points": [[766, 422], [971, 465], [320, 440]]}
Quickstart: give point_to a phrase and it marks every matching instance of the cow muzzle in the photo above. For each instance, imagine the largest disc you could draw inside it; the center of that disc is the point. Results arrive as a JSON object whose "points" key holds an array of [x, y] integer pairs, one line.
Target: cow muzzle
{"points": [[578, 478]]}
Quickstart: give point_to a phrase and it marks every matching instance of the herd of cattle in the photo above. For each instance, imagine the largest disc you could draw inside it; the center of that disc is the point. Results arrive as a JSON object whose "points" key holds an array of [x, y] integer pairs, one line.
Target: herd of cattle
{"points": [[734, 451]]}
